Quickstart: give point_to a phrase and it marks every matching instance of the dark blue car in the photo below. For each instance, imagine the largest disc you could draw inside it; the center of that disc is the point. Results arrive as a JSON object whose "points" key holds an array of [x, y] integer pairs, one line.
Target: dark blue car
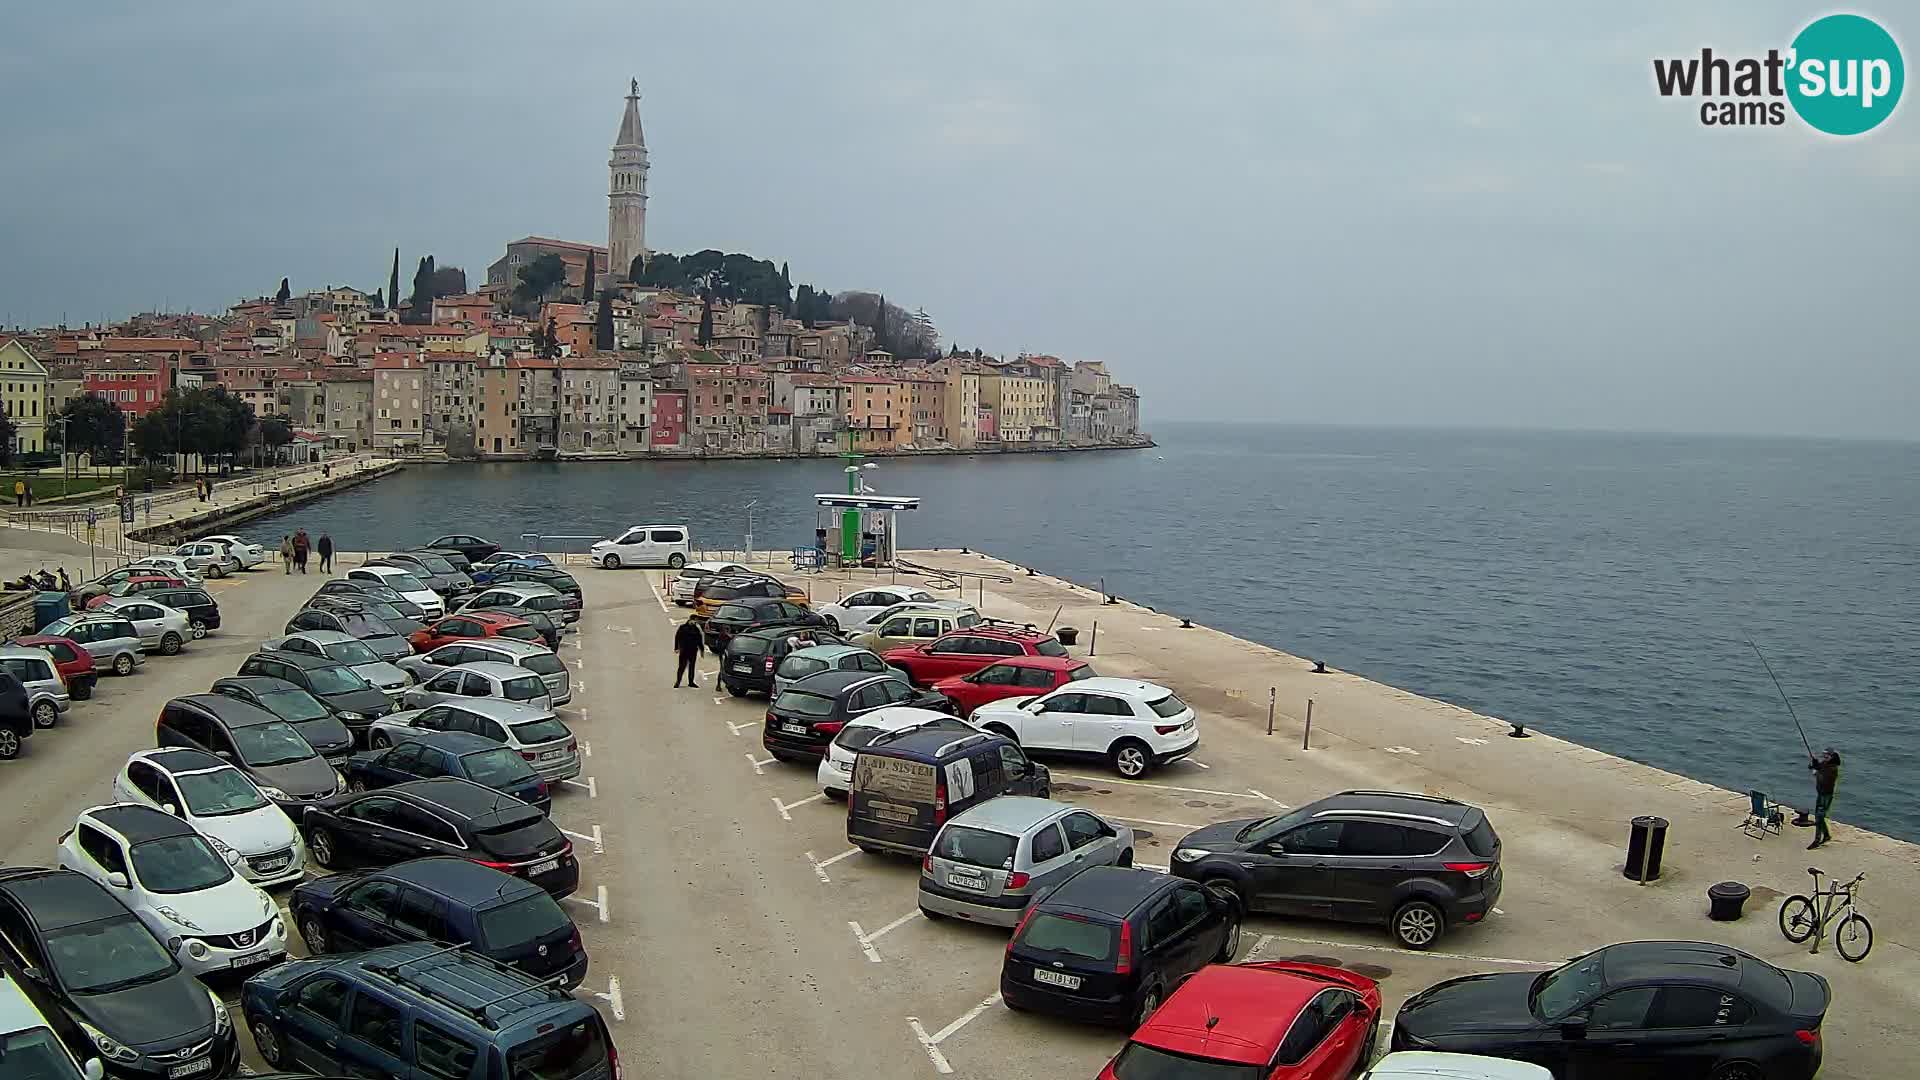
{"points": [[485, 575], [449, 753], [423, 1010], [444, 899]]}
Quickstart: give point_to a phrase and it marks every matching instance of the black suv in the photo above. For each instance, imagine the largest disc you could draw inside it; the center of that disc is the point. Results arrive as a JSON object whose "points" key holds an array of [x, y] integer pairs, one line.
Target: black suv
{"points": [[16, 719], [1417, 863], [354, 700], [1112, 942], [442, 816], [201, 610], [808, 714], [442, 899], [751, 658], [754, 613]]}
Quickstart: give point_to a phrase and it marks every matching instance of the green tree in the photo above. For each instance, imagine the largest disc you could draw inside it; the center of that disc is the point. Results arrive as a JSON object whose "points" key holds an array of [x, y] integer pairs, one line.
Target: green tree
{"points": [[603, 323], [379, 299], [94, 426], [284, 294], [274, 434], [550, 340], [537, 279], [155, 436], [420, 304], [446, 281], [586, 280], [393, 280], [8, 433]]}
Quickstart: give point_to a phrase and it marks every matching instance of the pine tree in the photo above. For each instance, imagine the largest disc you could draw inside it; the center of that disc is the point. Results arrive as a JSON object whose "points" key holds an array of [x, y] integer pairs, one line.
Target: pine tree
{"points": [[379, 299], [284, 294], [393, 281], [706, 316], [603, 323], [880, 322], [552, 348], [586, 283]]}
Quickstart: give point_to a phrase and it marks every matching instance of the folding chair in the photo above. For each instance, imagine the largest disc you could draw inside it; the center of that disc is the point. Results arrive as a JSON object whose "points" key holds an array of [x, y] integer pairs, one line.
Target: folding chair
{"points": [[1763, 816]]}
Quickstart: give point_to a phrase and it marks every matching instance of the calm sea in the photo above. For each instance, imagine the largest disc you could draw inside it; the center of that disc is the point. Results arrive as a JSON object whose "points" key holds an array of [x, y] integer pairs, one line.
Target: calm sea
{"points": [[1601, 587]]}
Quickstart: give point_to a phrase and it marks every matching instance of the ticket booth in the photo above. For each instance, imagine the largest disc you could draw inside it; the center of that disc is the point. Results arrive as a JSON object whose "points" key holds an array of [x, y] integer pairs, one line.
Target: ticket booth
{"points": [[860, 530]]}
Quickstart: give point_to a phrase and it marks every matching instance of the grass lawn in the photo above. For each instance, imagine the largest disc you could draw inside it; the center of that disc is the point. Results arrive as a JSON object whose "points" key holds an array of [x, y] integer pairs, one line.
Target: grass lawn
{"points": [[52, 485]]}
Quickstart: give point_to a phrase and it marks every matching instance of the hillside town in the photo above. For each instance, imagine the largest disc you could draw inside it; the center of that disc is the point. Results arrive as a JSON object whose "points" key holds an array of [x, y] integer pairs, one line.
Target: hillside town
{"points": [[571, 350]]}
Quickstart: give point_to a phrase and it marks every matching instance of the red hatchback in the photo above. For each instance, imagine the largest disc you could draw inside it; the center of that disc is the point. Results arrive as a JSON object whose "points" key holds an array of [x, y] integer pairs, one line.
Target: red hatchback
{"points": [[70, 659], [1016, 676], [134, 585], [473, 624], [964, 652], [1259, 1021]]}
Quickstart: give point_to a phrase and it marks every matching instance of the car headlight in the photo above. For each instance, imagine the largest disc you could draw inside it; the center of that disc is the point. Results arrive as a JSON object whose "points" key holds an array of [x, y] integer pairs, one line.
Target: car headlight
{"points": [[339, 781], [173, 916], [221, 1021], [226, 851], [1189, 854], [198, 949], [274, 793], [109, 1048], [353, 716]]}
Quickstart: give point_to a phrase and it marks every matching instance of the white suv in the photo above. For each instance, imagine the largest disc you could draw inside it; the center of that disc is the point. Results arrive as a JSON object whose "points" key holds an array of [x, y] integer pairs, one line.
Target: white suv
{"points": [[643, 545], [1135, 725]]}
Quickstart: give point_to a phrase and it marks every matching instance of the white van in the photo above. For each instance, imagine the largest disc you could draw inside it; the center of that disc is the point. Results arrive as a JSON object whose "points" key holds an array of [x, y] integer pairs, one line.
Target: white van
{"points": [[644, 545]]}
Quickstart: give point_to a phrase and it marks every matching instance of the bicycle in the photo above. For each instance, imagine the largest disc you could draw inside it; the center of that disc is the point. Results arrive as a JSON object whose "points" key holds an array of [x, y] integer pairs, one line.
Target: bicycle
{"points": [[1803, 917]]}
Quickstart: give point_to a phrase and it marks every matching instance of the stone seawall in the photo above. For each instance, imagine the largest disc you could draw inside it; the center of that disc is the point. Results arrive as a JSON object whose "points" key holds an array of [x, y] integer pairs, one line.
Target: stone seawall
{"points": [[219, 516]]}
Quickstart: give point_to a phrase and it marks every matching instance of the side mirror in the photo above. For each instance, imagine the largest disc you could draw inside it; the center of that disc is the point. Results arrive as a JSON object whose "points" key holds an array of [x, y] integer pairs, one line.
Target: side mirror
{"points": [[1573, 1029], [118, 880], [171, 809]]}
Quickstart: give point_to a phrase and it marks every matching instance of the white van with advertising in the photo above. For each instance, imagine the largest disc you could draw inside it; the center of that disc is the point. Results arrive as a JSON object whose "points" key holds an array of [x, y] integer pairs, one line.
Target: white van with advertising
{"points": [[644, 545]]}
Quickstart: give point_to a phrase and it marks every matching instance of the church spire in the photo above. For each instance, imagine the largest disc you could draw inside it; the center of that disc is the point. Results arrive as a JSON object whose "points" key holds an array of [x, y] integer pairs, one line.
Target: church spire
{"points": [[627, 193], [630, 133]]}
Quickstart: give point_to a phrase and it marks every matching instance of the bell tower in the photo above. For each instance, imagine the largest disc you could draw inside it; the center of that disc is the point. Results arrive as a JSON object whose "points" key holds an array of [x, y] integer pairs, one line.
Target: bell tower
{"points": [[627, 192]]}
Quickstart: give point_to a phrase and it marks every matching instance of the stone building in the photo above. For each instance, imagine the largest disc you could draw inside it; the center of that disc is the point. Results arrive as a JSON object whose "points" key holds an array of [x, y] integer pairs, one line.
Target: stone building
{"points": [[589, 404], [399, 403]]}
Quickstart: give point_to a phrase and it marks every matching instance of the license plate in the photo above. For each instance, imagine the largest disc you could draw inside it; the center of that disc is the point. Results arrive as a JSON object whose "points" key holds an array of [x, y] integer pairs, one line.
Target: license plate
{"points": [[972, 883], [544, 867], [549, 755], [191, 1068], [794, 729], [248, 959], [743, 667], [1054, 978], [275, 865]]}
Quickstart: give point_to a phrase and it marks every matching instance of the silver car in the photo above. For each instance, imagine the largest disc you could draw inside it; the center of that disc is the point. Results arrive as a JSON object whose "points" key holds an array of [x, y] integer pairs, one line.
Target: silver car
{"points": [[161, 628], [208, 558], [537, 735], [482, 679], [526, 654], [111, 640], [46, 690], [988, 862], [348, 650]]}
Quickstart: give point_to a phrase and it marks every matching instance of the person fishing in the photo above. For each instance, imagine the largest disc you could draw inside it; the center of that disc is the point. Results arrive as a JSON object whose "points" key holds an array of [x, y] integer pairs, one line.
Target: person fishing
{"points": [[1826, 776]]}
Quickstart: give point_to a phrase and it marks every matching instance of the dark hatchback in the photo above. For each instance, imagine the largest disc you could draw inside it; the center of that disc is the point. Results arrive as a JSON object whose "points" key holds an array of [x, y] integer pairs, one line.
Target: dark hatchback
{"points": [[352, 587], [553, 578], [1111, 943], [353, 701], [1677, 1010], [313, 720], [386, 612], [427, 754], [751, 658], [350, 617], [78, 953], [443, 816], [201, 610], [442, 899], [754, 613], [808, 714], [472, 548]]}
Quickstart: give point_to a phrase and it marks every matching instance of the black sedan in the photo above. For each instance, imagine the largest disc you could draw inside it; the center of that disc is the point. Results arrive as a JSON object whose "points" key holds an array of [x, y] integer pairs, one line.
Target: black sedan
{"points": [[449, 753], [1683, 1010], [808, 714], [442, 816], [312, 719], [754, 613], [473, 547]]}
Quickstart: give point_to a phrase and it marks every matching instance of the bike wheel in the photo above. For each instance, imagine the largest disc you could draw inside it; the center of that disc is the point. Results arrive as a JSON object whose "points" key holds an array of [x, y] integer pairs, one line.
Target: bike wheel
{"points": [[1854, 937], [1797, 919]]}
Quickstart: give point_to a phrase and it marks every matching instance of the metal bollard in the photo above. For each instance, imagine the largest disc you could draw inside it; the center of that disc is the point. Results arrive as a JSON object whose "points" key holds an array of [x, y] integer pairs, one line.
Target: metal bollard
{"points": [[1306, 733], [1096, 637], [1272, 692]]}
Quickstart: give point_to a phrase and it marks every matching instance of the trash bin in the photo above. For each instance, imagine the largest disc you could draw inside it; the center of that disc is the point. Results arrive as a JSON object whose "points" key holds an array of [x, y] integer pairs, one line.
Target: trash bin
{"points": [[48, 607], [147, 484], [1067, 634], [1645, 844], [1725, 900]]}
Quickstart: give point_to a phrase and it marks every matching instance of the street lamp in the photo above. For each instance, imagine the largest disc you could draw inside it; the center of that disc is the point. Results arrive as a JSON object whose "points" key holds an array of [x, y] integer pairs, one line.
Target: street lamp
{"points": [[750, 505]]}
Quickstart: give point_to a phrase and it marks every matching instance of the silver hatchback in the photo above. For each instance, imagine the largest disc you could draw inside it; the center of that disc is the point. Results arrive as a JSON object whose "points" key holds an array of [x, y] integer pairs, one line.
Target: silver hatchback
{"points": [[989, 861], [46, 691]]}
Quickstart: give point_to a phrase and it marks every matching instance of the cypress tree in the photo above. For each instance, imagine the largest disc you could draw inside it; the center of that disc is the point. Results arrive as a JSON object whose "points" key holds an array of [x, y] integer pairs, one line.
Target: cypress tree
{"points": [[393, 282], [282, 296], [603, 323], [586, 283]]}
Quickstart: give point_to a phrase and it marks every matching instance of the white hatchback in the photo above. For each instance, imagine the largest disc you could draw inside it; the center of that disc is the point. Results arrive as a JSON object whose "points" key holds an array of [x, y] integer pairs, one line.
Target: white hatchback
{"points": [[207, 915], [248, 553], [643, 545], [209, 558], [835, 774], [1135, 725], [691, 574], [1432, 1065], [222, 804], [855, 610], [410, 588]]}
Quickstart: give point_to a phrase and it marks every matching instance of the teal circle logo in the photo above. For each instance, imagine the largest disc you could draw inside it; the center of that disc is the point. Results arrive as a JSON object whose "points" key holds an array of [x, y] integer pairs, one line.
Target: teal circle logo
{"points": [[1846, 74]]}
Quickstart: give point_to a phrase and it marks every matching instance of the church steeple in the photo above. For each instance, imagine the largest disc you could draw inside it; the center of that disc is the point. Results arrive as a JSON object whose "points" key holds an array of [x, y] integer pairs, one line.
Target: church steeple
{"points": [[627, 192], [630, 133]]}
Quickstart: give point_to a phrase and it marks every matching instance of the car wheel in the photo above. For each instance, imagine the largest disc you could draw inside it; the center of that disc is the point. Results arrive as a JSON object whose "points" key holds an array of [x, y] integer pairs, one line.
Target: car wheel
{"points": [[1231, 945], [611, 562], [676, 560], [833, 624], [1132, 759], [1418, 924], [321, 848], [314, 934], [170, 644], [356, 785], [1149, 1004], [9, 744], [199, 628], [267, 1041], [123, 664], [82, 691], [834, 794], [379, 740], [1126, 858], [1738, 1070], [46, 714]]}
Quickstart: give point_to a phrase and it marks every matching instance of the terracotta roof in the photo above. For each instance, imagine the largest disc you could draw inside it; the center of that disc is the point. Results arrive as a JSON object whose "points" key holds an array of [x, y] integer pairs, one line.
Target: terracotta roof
{"points": [[394, 363], [595, 363], [568, 245], [805, 378], [147, 344]]}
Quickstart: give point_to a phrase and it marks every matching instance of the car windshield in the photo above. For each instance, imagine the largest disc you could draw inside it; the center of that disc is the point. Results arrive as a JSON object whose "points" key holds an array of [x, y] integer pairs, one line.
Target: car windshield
{"points": [[335, 680], [295, 704], [856, 737], [545, 729], [323, 731], [1269, 826], [523, 688], [107, 955], [1049, 647], [976, 847], [222, 791], [380, 609], [521, 633], [519, 838], [1070, 935], [799, 667], [548, 602], [734, 613], [178, 864], [522, 922], [1567, 987], [1138, 1061], [401, 581], [543, 664], [1171, 705], [34, 1054], [693, 572], [801, 703], [350, 652], [278, 743], [498, 767], [435, 563], [560, 1055]]}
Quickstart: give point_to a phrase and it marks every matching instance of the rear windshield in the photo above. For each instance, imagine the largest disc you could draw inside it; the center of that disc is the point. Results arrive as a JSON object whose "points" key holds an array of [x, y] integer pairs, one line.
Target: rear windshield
{"points": [[734, 611], [1171, 705], [801, 703], [1139, 1061], [380, 608], [799, 667], [1482, 840], [522, 633], [277, 743], [436, 564], [693, 572], [497, 767], [520, 837], [1049, 647], [523, 688], [1071, 936], [360, 625], [545, 729], [1084, 671], [546, 602], [976, 847], [522, 922], [748, 646], [350, 652], [965, 621], [857, 736], [723, 592], [543, 664], [560, 1055]]}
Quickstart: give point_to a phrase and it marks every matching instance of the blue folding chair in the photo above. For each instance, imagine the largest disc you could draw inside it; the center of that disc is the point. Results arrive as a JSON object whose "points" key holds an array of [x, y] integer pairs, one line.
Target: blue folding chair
{"points": [[1763, 816]]}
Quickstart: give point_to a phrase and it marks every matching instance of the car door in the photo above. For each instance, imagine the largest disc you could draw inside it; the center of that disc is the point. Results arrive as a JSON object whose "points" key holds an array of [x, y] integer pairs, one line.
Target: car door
{"points": [[1202, 928], [145, 619], [441, 688], [398, 765], [420, 833], [1651, 1033], [374, 833], [362, 917], [1103, 720], [1051, 721], [1091, 841], [1289, 872], [1019, 775], [312, 1022], [374, 1042], [1053, 861]]}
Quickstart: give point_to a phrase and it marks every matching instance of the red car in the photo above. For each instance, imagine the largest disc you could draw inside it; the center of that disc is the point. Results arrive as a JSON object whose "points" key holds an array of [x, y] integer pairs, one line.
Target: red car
{"points": [[70, 659], [1016, 676], [1279, 1020], [138, 584], [964, 652], [473, 624]]}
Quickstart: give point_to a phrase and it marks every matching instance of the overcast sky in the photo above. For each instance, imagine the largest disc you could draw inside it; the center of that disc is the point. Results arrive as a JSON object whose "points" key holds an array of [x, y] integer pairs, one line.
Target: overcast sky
{"points": [[1384, 214]]}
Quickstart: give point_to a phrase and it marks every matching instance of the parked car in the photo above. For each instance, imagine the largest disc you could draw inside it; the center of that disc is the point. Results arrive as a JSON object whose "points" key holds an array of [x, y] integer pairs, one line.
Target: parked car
{"points": [[16, 721], [397, 620], [466, 626], [989, 861], [308, 714], [410, 588], [835, 774], [454, 901], [1281, 1019], [170, 566], [481, 679], [1014, 677], [469, 1017], [272, 752], [907, 783], [246, 552], [1109, 944], [966, 650], [354, 701], [643, 545], [852, 611], [529, 595], [107, 973], [754, 613], [142, 581], [170, 876], [442, 816], [198, 605], [455, 558], [499, 557], [70, 658], [222, 804], [690, 575], [547, 626], [714, 591], [110, 639], [436, 568], [1685, 1010], [209, 559], [29, 1047], [47, 695], [552, 577], [1429, 1065], [807, 715], [815, 659], [533, 656], [344, 648], [751, 659], [161, 628], [1418, 864], [362, 588], [541, 739], [351, 619], [1135, 726], [427, 753], [906, 625], [488, 572], [467, 544], [101, 585]]}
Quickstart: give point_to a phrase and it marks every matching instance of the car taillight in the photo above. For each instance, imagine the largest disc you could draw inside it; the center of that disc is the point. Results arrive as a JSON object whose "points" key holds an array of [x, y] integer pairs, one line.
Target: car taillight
{"points": [[1167, 729], [1018, 880], [940, 802], [829, 727], [1808, 1037], [566, 849], [926, 863], [542, 787], [1123, 962], [1471, 869], [613, 1060], [502, 866], [769, 668], [574, 940], [528, 754], [772, 719], [1018, 929]]}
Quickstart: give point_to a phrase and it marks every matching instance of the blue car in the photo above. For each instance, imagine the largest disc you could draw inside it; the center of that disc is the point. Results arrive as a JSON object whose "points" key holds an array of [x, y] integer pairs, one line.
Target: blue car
{"points": [[449, 753], [423, 1010], [487, 573]]}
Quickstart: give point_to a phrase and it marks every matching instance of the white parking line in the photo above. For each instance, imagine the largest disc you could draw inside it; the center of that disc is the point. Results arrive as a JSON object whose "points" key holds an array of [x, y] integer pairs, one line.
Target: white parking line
{"points": [[599, 904], [585, 746], [784, 807], [620, 629], [1202, 764], [820, 868], [757, 763], [1167, 787], [593, 788], [932, 1042], [866, 940], [719, 701], [1322, 943], [738, 728], [612, 997], [1270, 799], [599, 846]]}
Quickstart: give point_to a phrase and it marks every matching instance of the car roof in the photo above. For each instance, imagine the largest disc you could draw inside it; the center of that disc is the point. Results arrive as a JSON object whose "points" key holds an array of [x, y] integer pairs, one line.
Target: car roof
{"points": [[181, 759], [1124, 687], [24, 652], [508, 646], [1704, 963], [259, 684], [492, 618], [232, 711], [45, 639], [630, 528], [834, 681], [926, 746], [497, 669], [461, 880], [831, 651], [896, 717], [381, 570], [463, 986], [1010, 813], [1110, 890], [1435, 1065], [507, 712], [708, 567], [115, 603], [523, 588], [56, 899], [139, 823], [1396, 803], [1005, 633], [1231, 1012], [1049, 663], [462, 798], [304, 661], [328, 637], [454, 742], [77, 618]]}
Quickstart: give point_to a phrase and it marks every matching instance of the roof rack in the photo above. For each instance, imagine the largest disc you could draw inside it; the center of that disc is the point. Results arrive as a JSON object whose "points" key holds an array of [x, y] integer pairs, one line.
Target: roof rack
{"points": [[1002, 624], [963, 740], [1405, 795], [396, 973]]}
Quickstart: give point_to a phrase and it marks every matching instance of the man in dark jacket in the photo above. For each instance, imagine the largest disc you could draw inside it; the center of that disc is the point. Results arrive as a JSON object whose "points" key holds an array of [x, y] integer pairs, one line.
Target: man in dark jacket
{"points": [[325, 549], [687, 641], [1826, 776]]}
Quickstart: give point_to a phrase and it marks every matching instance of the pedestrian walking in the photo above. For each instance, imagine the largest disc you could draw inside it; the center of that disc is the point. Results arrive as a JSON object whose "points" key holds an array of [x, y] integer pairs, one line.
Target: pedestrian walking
{"points": [[66, 584], [286, 554], [301, 545], [326, 553], [19, 493], [1826, 776], [687, 641]]}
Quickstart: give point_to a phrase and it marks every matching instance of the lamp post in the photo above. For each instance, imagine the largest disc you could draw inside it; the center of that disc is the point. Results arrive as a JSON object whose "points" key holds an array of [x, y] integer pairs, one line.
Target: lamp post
{"points": [[750, 505]]}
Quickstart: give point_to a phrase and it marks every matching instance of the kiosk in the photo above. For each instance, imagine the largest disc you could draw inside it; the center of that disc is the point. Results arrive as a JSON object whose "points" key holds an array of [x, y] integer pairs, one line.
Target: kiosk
{"points": [[860, 530]]}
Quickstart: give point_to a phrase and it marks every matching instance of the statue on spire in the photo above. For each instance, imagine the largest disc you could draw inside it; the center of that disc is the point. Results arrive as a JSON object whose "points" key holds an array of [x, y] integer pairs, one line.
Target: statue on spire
{"points": [[633, 87]]}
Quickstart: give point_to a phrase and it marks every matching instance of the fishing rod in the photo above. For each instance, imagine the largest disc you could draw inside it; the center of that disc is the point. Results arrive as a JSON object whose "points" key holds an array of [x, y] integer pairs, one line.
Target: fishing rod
{"points": [[1783, 696]]}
